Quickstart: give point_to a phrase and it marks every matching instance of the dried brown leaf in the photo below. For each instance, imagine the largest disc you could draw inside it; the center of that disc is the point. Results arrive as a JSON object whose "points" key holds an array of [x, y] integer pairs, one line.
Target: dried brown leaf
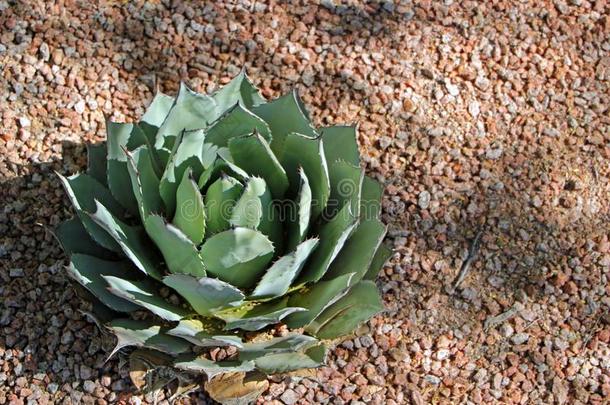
{"points": [[237, 388]]}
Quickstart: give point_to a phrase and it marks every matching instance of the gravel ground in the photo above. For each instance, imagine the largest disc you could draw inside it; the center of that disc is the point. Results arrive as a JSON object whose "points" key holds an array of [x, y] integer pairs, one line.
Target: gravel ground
{"points": [[487, 122]]}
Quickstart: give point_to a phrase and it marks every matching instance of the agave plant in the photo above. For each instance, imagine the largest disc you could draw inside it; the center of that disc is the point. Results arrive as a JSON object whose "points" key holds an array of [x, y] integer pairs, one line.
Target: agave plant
{"points": [[218, 216]]}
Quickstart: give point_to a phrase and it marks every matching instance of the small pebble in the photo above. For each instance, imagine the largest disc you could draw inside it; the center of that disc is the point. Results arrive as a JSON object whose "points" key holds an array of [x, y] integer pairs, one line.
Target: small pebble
{"points": [[423, 201], [17, 272], [491, 119], [289, 397], [520, 338]]}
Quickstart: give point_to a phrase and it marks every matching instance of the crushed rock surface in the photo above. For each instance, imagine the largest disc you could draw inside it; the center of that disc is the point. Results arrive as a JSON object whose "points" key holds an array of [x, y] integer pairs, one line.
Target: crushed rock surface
{"points": [[481, 118]]}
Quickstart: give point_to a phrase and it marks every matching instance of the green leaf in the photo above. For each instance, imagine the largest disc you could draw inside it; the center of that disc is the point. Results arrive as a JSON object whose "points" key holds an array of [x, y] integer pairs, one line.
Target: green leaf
{"points": [[180, 253], [119, 183], [121, 138], [237, 256], [74, 239], [370, 198], [203, 335], [285, 362], [88, 271], [96, 162], [236, 121], [190, 111], [224, 154], [97, 233], [206, 295], [100, 313], [346, 186], [158, 109], [360, 304], [308, 153], [144, 294], [222, 166], [283, 344], [169, 141], [208, 175], [255, 209], [358, 252], [253, 154], [212, 368], [163, 154], [146, 133], [381, 256], [252, 316], [316, 298], [83, 191], [278, 279], [248, 210], [340, 144], [239, 89], [299, 212], [190, 211], [333, 235], [190, 152], [144, 182], [219, 202], [133, 241], [145, 334], [284, 116], [159, 157]]}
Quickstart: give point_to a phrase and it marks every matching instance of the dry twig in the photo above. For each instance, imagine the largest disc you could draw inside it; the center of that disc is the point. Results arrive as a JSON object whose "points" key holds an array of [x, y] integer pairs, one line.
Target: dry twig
{"points": [[472, 253]]}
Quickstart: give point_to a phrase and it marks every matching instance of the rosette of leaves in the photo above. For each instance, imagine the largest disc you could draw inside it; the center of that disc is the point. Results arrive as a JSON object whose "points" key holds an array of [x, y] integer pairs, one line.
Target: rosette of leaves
{"points": [[222, 216]]}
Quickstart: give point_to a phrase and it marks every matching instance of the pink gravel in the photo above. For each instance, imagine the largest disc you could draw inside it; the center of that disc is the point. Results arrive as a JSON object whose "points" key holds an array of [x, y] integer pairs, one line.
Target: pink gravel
{"points": [[486, 118]]}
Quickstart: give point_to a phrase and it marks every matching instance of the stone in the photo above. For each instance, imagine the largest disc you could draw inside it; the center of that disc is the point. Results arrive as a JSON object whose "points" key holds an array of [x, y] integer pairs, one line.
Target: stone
{"points": [[443, 354], [17, 272], [366, 341], [289, 397], [474, 109], [385, 141], [24, 122], [452, 89], [520, 338], [57, 56], [423, 201], [506, 330], [79, 107], [43, 49], [493, 153], [432, 379], [482, 83], [85, 372], [89, 386], [118, 386]]}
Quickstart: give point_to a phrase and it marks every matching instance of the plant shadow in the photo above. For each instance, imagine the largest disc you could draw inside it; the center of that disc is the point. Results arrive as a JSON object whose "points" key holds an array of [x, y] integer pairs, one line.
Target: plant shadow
{"points": [[45, 333]]}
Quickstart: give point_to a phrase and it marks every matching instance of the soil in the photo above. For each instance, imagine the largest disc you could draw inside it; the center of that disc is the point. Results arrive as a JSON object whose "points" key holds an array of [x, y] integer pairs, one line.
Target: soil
{"points": [[487, 122]]}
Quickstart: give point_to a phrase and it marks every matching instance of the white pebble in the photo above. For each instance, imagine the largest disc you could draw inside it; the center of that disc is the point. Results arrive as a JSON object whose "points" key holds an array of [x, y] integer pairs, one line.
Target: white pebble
{"points": [[453, 89], [520, 338], [474, 109], [442, 354], [24, 122], [79, 107]]}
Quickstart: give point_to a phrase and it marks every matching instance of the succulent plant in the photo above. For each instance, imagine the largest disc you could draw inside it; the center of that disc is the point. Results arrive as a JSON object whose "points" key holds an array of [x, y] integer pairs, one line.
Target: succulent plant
{"points": [[218, 216]]}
